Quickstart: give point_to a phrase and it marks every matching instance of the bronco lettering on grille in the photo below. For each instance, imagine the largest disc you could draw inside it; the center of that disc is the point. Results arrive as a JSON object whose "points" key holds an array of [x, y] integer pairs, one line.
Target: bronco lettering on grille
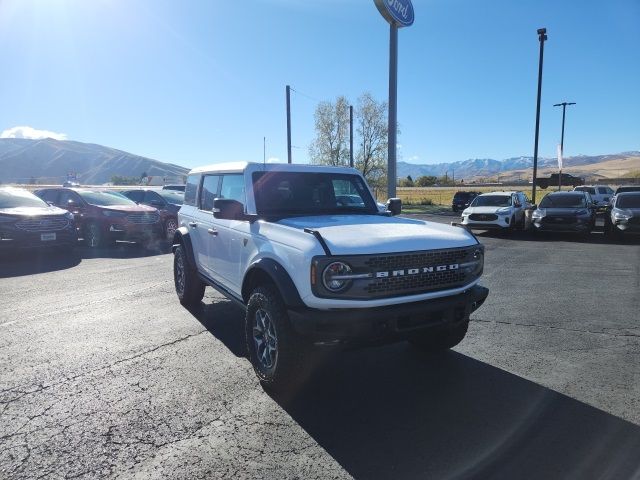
{"points": [[417, 271]]}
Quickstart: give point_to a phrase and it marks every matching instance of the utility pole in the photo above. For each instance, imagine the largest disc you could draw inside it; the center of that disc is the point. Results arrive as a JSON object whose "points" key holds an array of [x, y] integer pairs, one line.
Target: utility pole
{"points": [[264, 150], [351, 136], [393, 111], [564, 108], [542, 37], [289, 124]]}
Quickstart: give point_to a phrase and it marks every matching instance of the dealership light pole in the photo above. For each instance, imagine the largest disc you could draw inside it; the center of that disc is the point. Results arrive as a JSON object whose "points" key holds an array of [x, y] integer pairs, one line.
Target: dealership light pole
{"points": [[564, 108], [351, 136], [288, 124], [399, 13], [542, 37]]}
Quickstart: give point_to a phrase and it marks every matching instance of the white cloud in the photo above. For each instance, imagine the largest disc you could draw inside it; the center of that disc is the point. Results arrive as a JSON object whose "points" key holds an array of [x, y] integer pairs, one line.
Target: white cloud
{"points": [[415, 158], [32, 133], [273, 160]]}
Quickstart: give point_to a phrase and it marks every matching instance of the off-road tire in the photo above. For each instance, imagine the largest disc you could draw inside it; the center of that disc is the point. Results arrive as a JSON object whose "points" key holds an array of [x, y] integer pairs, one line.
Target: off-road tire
{"points": [[440, 340], [189, 288], [289, 365]]}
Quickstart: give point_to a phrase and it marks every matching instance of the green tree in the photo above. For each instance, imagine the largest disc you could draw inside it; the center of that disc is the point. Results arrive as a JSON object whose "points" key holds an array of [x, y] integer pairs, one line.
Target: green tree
{"points": [[371, 121], [331, 146], [426, 181]]}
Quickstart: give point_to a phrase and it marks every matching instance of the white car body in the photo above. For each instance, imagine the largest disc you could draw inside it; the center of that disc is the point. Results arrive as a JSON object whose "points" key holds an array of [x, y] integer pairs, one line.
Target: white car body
{"points": [[600, 194], [496, 217]]}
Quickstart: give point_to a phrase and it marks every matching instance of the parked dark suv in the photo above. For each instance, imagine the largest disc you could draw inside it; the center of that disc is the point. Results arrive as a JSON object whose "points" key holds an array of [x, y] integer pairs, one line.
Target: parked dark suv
{"points": [[168, 202], [462, 200], [565, 212], [104, 216], [26, 221]]}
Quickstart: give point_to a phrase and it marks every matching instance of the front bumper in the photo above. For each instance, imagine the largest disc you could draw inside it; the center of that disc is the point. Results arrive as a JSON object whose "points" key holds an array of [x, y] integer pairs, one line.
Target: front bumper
{"points": [[388, 323], [499, 224], [133, 232], [22, 240], [581, 227]]}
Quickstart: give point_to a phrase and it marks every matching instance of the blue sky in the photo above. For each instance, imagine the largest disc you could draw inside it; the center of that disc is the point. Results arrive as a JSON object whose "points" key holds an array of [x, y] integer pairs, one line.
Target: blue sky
{"points": [[195, 82]]}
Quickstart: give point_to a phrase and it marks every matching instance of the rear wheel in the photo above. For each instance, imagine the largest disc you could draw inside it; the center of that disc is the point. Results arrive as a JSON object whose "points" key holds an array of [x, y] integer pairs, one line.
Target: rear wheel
{"points": [[437, 341], [275, 351], [189, 288]]}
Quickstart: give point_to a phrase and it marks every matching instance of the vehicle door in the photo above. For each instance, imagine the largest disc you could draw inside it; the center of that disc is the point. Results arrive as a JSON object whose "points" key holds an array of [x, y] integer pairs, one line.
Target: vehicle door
{"points": [[200, 225], [70, 200], [229, 234]]}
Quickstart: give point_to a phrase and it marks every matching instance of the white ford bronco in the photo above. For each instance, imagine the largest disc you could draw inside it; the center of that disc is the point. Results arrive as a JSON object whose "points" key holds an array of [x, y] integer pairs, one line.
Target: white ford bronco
{"points": [[308, 254]]}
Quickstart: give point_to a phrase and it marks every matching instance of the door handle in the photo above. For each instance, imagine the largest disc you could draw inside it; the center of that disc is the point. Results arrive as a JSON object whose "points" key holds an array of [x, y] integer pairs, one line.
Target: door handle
{"points": [[212, 231], [193, 224]]}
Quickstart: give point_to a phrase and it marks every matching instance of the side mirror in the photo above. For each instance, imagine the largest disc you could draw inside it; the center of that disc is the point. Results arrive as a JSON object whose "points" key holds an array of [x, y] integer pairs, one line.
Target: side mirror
{"points": [[227, 209], [394, 205]]}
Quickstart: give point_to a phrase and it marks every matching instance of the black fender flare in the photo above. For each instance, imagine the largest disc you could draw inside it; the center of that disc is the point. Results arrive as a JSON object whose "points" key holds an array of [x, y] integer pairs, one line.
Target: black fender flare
{"points": [[181, 237], [278, 275]]}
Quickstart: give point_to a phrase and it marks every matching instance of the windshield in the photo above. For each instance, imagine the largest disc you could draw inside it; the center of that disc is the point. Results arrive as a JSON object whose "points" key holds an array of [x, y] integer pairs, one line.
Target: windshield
{"points": [[563, 201], [492, 201], [309, 193], [104, 198], [172, 196], [14, 197], [628, 201]]}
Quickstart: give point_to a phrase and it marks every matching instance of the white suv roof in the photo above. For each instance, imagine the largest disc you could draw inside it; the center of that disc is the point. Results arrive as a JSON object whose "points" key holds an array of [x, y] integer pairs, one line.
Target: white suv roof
{"points": [[238, 167], [506, 194]]}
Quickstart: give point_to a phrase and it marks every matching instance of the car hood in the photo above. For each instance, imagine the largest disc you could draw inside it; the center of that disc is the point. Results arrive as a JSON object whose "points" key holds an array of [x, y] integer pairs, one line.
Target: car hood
{"points": [[129, 208], [32, 211], [483, 209], [360, 234]]}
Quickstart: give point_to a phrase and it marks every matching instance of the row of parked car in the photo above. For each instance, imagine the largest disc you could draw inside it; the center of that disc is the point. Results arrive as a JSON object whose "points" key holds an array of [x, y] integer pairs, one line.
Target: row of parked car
{"points": [[60, 216], [560, 211]]}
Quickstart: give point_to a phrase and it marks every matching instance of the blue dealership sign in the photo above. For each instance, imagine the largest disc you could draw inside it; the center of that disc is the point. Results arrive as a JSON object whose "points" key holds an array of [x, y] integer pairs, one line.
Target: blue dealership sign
{"points": [[397, 12]]}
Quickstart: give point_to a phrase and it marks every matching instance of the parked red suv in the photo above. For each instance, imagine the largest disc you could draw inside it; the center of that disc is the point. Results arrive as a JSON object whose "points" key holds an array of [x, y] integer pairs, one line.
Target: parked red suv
{"points": [[104, 216], [168, 202]]}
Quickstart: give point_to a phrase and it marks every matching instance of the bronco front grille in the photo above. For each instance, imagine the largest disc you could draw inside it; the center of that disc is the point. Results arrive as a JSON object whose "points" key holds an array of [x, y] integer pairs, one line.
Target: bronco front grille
{"points": [[43, 224], [143, 218], [411, 273]]}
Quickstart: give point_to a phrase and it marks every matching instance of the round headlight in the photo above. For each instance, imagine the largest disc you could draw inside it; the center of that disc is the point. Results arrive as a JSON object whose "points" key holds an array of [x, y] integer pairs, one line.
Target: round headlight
{"points": [[331, 276]]}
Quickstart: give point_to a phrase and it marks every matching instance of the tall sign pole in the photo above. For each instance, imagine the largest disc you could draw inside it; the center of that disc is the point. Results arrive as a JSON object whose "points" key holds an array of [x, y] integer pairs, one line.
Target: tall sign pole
{"points": [[288, 124], [399, 13], [542, 37]]}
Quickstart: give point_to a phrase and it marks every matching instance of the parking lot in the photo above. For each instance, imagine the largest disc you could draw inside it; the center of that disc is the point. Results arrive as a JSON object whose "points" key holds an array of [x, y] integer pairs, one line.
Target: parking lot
{"points": [[105, 375]]}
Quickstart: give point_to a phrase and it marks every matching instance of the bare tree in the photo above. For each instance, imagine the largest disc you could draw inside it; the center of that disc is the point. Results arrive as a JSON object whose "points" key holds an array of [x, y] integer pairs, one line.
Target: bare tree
{"points": [[331, 146], [371, 118]]}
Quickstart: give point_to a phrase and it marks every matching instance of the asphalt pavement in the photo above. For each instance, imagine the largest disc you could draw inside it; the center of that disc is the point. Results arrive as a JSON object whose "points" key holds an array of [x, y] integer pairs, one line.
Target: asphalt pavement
{"points": [[103, 374]]}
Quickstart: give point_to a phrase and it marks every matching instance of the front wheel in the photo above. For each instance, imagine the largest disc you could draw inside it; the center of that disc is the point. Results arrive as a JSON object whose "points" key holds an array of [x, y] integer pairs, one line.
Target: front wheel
{"points": [[93, 236], [440, 340], [275, 351], [170, 227], [189, 288]]}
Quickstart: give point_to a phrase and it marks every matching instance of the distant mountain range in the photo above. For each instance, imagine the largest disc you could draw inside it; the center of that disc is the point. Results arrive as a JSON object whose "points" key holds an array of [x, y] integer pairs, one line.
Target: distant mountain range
{"points": [[49, 161], [520, 167]]}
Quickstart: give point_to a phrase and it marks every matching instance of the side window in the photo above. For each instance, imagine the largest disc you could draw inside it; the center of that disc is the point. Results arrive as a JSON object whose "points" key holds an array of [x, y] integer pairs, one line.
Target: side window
{"points": [[135, 195], [190, 190], [233, 188], [591, 191], [209, 192], [67, 196]]}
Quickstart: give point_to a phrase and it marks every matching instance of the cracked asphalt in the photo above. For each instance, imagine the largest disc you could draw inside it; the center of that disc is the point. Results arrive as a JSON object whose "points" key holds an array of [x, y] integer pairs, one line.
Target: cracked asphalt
{"points": [[104, 375]]}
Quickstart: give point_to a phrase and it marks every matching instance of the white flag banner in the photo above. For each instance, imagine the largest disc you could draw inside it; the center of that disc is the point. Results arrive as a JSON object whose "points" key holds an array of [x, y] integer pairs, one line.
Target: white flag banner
{"points": [[559, 157]]}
